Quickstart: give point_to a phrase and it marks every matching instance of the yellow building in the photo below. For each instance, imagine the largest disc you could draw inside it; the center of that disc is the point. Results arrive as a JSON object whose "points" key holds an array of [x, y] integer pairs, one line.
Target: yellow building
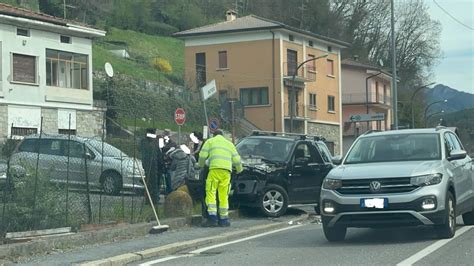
{"points": [[253, 59]]}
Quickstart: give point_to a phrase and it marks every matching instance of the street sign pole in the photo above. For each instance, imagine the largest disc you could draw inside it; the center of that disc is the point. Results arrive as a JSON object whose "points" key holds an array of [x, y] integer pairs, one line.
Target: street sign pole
{"points": [[207, 91], [232, 120], [179, 135]]}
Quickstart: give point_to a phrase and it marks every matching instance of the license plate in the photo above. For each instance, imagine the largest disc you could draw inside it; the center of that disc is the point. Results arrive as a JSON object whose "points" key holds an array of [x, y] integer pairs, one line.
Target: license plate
{"points": [[374, 203]]}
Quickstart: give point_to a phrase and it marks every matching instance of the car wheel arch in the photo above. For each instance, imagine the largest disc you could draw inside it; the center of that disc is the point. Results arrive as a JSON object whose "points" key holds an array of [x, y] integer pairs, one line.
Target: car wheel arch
{"points": [[109, 171]]}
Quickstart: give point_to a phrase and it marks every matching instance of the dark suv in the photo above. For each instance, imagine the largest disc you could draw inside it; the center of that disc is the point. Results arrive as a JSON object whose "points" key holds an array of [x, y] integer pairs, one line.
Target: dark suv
{"points": [[280, 170]]}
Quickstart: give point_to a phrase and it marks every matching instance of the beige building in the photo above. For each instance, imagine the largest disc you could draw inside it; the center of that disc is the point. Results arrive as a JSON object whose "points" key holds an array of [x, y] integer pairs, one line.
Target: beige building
{"points": [[366, 89], [252, 60]]}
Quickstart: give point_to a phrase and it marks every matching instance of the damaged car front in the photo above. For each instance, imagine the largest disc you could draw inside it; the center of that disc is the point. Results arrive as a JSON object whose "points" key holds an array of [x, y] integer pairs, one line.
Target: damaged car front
{"points": [[265, 161]]}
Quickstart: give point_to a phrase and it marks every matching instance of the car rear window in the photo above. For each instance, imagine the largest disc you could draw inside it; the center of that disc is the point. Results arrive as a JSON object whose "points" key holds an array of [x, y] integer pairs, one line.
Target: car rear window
{"points": [[28, 145]]}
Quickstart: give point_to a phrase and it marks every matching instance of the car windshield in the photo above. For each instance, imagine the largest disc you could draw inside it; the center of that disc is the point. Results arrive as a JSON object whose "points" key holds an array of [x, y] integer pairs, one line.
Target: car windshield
{"points": [[265, 148], [391, 148], [109, 150]]}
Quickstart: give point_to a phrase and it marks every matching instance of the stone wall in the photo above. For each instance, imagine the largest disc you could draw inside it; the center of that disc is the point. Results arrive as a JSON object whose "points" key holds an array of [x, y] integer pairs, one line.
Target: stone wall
{"points": [[330, 132], [50, 120], [89, 123]]}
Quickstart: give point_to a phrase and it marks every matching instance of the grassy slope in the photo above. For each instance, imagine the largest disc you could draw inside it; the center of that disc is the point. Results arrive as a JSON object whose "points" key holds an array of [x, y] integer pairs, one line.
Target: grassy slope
{"points": [[143, 47]]}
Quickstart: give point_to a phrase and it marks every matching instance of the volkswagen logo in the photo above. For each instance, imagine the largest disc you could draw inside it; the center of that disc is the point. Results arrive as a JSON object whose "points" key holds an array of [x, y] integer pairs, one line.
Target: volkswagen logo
{"points": [[375, 186]]}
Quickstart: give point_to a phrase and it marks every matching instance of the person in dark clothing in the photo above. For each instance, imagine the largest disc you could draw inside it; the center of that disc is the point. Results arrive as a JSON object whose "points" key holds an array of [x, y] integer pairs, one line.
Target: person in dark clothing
{"points": [[152, 162], [181, 167], [169, 143], [197, 142]]}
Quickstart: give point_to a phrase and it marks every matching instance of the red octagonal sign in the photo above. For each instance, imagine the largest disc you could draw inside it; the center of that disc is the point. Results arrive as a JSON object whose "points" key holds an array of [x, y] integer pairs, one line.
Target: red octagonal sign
{"points": [[180, 116]]}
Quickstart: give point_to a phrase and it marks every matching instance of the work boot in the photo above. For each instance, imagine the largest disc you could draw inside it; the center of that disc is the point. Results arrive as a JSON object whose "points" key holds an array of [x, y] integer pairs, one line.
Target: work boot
{"points": [[224, 223], [210, 222]]}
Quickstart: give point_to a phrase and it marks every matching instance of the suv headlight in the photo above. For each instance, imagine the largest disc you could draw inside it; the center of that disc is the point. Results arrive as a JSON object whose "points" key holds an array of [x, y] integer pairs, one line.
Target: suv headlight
{"points": [[332, 184], [426, 180]]}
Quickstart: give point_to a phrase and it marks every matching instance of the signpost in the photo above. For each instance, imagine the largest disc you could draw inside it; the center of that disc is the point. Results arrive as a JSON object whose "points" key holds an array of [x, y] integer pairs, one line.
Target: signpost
{"points": [[179, 118], [213, 124], [366, 117], [207, 91]]}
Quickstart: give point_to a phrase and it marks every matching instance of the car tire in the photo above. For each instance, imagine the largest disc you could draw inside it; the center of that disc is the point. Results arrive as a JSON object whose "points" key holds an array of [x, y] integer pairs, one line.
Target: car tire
{"points": [[448, 229], [274, 201], [111, 183], [468, 218], [335, 233]]}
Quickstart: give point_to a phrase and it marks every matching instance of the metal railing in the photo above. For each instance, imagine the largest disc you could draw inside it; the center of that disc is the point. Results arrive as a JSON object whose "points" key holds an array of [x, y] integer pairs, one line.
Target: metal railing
{"points": [[353, 98]]}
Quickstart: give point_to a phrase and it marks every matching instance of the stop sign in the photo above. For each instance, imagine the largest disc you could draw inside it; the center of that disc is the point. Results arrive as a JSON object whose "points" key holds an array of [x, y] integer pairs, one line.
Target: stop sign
{"points": [[180, 116]]}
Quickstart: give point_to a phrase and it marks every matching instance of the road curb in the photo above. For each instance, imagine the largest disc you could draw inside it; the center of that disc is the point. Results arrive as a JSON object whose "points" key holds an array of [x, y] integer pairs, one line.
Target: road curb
{"points": [[191, 244], [104, 235]]}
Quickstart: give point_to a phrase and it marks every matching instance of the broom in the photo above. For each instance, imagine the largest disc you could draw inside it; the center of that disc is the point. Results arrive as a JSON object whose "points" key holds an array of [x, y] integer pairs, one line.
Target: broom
{"points": [[158, 228]]}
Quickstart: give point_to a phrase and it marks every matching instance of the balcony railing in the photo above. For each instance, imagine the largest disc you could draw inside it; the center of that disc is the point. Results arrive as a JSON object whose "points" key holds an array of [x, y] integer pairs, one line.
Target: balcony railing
{"points": [[361, 98], [311, 111], [306, 73]]}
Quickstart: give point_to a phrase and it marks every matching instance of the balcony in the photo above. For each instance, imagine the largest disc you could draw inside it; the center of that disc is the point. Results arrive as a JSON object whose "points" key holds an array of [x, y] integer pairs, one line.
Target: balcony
{"points": [[360, 99], [306, 73], [311, 112]]}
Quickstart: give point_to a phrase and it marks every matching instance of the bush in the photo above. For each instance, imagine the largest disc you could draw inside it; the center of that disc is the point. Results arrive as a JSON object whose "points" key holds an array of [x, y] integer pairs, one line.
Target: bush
{"points": [[162, 65], [9, 147]]}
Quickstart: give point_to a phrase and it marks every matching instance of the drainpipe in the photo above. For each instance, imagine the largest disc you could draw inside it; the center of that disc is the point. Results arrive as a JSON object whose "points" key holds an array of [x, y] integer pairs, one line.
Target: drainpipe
{"points": [[273, 80]]}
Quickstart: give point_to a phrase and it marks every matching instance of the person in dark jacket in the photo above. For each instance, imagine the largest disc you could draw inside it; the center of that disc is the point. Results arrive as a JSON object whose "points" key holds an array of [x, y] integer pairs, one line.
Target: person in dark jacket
{"points": [[152, 162], [169, 143], [181, 167]]}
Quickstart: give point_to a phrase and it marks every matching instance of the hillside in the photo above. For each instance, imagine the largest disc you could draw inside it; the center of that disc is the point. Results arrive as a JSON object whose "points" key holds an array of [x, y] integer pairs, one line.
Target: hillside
{"points": [[142, 49], [457, 100]]}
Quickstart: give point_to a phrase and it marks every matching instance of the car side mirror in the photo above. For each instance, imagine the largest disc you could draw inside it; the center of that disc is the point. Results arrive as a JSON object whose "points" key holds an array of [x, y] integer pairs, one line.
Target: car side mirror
{"points": [[337, 160], [457, 155], [89, 156]]}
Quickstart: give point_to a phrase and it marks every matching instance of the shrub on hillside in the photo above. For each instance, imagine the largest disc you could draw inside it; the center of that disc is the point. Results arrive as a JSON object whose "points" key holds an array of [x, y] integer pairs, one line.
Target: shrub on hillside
{"points": [[162, 65]]}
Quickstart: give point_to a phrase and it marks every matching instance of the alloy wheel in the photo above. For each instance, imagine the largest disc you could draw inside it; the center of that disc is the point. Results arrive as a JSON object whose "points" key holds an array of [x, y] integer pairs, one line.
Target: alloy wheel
{"points": [[273, 201]]}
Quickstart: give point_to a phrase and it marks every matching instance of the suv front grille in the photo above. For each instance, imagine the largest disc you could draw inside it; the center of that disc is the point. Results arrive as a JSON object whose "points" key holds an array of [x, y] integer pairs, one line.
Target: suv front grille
{"points": [[388, 186]]}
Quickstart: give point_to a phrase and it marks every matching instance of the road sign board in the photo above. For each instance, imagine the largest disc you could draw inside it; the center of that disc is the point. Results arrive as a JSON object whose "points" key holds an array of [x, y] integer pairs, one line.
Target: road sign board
{"points": [[180, 116], [366, 117], [213, 124], [209, 90]]}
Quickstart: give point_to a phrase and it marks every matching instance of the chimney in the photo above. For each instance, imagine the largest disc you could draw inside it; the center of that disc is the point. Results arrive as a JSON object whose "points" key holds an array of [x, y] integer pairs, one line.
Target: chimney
{"points": [[356, 57], [230, 15]]}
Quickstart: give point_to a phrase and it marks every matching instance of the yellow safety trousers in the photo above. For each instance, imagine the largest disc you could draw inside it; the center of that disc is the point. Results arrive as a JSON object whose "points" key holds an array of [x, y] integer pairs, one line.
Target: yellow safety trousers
{"points": [[218, 180]]}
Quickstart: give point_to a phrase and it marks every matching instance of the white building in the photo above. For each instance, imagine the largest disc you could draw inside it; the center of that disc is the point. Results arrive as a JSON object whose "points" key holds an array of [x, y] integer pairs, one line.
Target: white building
{"points": [[46, 72]]}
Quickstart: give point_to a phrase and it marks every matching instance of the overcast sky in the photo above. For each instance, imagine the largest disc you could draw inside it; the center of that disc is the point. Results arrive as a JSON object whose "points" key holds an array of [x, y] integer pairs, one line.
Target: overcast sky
{"points": [[456, 67]]}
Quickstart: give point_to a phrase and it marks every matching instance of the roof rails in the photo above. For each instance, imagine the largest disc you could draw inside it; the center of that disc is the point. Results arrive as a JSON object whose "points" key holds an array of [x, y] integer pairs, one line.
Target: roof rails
{"points": [[440, 127], [283, 134], [371, 131]]}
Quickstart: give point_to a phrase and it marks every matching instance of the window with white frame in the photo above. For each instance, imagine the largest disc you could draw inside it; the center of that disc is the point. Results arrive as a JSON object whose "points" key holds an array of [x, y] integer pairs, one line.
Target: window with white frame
{"points": [[66, 70], [24, 68], [312, 101], [331, 103]]}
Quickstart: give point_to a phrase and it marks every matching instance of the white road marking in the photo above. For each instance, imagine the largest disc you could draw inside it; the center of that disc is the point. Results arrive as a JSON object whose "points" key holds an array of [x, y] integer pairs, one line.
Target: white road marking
{"points": [[433, 247], [198, 251]]}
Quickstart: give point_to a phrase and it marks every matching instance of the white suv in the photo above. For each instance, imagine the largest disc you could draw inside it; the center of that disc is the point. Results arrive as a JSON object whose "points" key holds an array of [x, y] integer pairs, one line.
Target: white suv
{"points": [[400, 178]]}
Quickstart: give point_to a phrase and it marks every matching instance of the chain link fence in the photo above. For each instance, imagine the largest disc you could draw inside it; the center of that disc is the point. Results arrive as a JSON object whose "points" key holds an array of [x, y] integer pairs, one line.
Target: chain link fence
{"points": [[64, 180]]}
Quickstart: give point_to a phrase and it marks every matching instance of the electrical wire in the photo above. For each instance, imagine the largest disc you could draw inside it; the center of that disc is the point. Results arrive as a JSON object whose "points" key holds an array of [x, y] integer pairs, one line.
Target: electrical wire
{"points": [[454, 18]]}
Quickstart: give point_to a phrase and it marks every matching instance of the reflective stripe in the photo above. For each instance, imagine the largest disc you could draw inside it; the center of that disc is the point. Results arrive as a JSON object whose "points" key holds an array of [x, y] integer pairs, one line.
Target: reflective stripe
{"points": [[219, 157], [221, 148], [210, 205]]}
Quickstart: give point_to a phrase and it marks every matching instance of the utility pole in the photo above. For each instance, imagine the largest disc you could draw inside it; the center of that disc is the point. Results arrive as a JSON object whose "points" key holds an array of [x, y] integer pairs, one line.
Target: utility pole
{"points": [[394, 70]]}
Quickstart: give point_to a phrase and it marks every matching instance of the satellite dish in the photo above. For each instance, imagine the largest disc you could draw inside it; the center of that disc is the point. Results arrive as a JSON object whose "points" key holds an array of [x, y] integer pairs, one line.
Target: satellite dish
{"points": [[380, 62], [109, 70]]}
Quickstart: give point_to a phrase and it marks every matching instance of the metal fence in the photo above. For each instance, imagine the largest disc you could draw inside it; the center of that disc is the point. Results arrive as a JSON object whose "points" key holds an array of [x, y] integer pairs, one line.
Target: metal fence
{"points": [[63, 180]]}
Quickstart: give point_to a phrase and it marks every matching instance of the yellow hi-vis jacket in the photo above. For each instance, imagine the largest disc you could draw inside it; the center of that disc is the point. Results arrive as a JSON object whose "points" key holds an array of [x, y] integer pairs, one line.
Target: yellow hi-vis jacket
{"points": [[221, 153]]}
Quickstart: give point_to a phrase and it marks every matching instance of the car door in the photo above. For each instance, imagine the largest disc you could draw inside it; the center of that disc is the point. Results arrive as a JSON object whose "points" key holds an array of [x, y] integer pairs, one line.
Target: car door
{"points": [[466, 179], [77, 161], [51, 160], [462, 185], [306, 174]]}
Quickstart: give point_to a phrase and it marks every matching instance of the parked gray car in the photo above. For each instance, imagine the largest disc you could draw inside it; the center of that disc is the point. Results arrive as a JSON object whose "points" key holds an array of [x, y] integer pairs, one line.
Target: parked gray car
{"points": [[400, 178], [104, 166]]}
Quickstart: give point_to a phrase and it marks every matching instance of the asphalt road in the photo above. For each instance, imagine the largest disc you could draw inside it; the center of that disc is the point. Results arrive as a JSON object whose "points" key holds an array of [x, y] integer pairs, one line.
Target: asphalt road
{"points": [[306, 245]]}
